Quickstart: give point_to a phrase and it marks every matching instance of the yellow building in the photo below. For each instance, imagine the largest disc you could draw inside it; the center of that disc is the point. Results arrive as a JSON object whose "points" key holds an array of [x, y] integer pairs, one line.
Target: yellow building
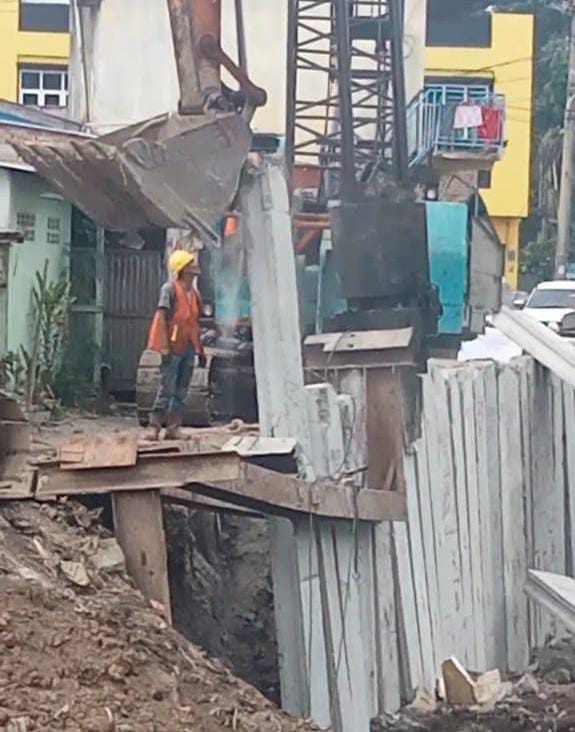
{"points": [[34, 51], [466, 45]]}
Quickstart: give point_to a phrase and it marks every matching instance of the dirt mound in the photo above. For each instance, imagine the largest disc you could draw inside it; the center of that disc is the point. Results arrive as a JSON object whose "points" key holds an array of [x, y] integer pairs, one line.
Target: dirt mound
{"points": [[83, 650]]}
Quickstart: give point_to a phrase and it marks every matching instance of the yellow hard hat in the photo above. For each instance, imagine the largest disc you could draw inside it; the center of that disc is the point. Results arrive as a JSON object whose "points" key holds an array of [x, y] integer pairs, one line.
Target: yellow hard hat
{"points": [[181, 258]]}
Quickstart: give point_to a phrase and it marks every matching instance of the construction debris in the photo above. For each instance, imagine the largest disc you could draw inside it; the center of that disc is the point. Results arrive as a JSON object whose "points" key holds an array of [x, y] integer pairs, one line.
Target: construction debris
{"points": [[459, 686], [490, 689], [109, 556], [76, 573], [462, 690], [114, 664]]}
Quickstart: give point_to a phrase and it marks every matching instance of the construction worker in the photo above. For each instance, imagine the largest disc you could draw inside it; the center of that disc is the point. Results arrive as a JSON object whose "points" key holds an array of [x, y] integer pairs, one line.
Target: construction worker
{"points": [[175, 333]]}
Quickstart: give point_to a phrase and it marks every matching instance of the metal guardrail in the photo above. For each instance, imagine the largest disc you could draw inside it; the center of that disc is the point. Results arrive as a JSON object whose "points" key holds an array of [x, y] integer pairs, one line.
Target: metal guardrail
{"points": [[430, 122]]}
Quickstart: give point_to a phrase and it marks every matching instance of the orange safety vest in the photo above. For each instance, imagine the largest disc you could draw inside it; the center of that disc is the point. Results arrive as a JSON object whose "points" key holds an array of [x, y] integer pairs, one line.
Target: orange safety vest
{"points": [[184, 328]]}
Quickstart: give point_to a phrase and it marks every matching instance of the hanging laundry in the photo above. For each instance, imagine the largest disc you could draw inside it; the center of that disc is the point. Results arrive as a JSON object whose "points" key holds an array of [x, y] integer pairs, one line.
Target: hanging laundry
{"points": [[467, 116], [446, 120], [492, 125]]}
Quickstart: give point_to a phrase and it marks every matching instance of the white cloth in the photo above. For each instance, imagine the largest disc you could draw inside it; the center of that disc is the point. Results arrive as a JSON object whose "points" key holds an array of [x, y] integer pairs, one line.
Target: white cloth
{"points": [[493, 345], [467, 115]]}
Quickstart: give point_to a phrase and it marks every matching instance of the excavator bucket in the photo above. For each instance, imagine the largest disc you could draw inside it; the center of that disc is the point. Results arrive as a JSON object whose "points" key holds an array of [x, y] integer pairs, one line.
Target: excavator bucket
{"points": [[175, 170]]}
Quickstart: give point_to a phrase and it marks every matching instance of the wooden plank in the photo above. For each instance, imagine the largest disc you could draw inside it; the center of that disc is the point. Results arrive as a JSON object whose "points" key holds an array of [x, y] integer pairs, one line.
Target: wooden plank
{"points": [[186, 497], [14, 437], [17, 477], [513, 517], [278, 494], [489, 486], [10, 410], [98, 451], [385, 429], [139, 528], [478, 543], [150, 472], [468, 648], [226, 477]]}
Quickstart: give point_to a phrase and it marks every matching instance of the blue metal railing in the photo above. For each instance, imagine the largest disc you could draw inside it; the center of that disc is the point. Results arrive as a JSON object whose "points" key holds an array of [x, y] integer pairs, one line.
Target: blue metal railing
{"points": [[432, 121]]}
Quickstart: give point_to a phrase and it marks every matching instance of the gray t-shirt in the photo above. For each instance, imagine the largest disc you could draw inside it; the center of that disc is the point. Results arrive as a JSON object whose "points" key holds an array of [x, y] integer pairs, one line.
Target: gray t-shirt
{"points": [[167, 299]]}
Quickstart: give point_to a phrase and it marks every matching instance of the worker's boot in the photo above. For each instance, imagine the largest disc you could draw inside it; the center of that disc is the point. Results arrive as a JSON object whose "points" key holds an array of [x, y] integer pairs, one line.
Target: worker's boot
{"points": [[173, 430], [153, 435]]}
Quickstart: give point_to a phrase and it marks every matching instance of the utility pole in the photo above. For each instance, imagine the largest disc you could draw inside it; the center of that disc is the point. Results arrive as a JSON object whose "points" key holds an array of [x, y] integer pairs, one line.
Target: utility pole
{"points": [[567, 167]]}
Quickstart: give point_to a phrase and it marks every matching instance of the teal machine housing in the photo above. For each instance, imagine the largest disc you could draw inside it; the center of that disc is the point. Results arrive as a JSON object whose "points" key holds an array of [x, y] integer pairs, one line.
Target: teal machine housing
{"points": [[448, 241], [449, 246]]}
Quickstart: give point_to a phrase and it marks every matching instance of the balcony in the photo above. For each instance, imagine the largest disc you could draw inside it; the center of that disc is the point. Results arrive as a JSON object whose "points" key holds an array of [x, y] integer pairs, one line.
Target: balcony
{"points": [[458, 124]]}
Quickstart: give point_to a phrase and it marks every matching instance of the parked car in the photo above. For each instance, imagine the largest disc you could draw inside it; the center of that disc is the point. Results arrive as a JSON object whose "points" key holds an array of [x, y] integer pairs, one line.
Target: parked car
{"points": [[549, 302]]}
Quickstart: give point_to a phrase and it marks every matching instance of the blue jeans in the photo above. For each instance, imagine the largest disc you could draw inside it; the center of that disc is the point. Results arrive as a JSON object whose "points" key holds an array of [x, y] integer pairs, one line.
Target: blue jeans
{"points": [[175, 374]]}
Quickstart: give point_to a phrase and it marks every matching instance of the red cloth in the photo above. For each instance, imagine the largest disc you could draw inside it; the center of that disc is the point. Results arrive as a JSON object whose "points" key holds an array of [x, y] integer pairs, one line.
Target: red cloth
{"points": [[491, 128]]}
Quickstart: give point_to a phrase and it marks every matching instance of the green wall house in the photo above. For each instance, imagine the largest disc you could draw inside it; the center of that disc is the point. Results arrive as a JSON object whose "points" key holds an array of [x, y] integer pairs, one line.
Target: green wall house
{"points": [[31, 210], [29, 205]]}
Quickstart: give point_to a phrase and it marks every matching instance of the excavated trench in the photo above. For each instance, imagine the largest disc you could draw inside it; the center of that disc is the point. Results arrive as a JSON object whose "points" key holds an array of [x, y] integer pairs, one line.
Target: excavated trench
{"points": [[222, 599]]}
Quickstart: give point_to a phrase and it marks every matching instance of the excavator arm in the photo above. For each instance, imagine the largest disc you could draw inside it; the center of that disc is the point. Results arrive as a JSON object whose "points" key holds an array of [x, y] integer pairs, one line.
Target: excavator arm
{"points": [[196, 33]]}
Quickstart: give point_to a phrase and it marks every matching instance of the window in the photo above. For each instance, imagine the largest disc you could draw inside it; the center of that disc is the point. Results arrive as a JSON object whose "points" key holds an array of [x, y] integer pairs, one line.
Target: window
{"points": [[552, 299], [26, 222], [44, 87], [53, 234], [45, 16], [458, 23]]}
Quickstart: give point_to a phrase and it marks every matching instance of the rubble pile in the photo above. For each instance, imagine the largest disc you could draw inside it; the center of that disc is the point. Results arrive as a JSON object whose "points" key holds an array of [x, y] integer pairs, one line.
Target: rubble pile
{"points": [[486, 702], [83, 650]]}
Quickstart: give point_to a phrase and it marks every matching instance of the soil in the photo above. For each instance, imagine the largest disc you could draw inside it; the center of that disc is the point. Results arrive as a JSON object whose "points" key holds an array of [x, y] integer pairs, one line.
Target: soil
{"points": [[220, 575], [219, 567], [83, 650]]}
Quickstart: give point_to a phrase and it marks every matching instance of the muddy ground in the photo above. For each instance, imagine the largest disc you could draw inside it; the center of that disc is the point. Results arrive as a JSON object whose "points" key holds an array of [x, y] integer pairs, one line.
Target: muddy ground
{"points": [[82, 649]]}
